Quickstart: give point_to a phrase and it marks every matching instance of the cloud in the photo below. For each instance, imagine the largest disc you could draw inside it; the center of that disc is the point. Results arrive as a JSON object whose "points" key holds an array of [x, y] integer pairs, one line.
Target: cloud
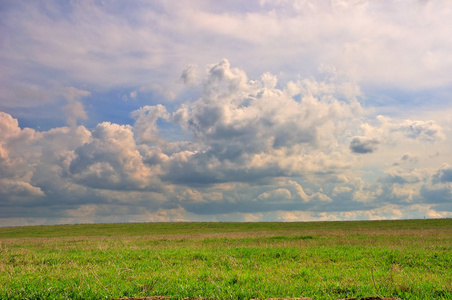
{"points": [[233, 148], [420, 130], [384, 133], [9, 126], [16, 189], [405, 176], [407, 158], [189, 75], [111, 161], [424, 130], [17, 158], [155, 90], [275, 195], [145, 125], [362, 145], [118, 132], [244, 127], [387, 211], [66, 40], [439, 194], [74, 109], [443, 175], [167, 215]]}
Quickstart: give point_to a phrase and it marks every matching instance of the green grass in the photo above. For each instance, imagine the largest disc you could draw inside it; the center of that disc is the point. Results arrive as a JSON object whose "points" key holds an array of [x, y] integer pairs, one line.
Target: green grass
{"points": [[410, 259]]}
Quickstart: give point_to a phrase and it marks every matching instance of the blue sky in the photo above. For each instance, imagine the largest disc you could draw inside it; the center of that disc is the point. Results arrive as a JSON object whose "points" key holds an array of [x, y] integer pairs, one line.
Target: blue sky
{"points": [[130, 111]]}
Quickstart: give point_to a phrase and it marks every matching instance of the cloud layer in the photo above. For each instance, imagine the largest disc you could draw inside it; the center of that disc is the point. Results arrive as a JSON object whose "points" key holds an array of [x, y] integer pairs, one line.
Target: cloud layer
{"points": [[258, 110], [249, 150]]}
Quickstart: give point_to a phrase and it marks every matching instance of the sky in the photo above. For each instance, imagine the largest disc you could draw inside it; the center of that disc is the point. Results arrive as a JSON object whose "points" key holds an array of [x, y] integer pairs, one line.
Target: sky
{"points": [[284, 110]]}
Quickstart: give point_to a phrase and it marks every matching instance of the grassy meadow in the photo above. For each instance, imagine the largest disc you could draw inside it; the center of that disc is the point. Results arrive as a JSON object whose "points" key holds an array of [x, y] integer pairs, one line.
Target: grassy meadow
{"points": [[406, 259]]}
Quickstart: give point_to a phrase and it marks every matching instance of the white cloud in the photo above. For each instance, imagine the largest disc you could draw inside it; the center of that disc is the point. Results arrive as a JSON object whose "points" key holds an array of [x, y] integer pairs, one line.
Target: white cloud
{"points": [[423, 130], [276, 195], [384, 212], [167, 215], [145, 125], [189, 75], [398, 43], [74, 109], [241, 123], [111, 161], [17, 159]]}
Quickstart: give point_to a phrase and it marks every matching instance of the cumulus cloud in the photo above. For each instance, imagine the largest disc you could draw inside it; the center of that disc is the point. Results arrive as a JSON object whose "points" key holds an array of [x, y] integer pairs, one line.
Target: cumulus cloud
{"points": [[110, 160], [74, 109], [167, 215], [145, 126], [243, 123], [18, 156], [246, 148], [420, 130], [275, 195], [384, 133], [9, 127], [189, 75], [424, 130], [17, 189], [362, 145], [318, 196], [443, 175]]}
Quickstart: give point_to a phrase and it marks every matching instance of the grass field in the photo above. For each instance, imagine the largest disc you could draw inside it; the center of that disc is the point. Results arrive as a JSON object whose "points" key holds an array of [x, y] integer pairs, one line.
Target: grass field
{"points": [[409, 259]]}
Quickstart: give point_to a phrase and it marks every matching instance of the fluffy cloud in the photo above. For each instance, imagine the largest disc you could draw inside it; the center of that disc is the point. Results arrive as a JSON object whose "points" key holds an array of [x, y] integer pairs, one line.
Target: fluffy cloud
{"points": [[423, 130], [245, 149], [246, 127], [384, 133], [17, 158], [190, 75], [146, 122], [110, 160], [74, 109], [17, 189]]}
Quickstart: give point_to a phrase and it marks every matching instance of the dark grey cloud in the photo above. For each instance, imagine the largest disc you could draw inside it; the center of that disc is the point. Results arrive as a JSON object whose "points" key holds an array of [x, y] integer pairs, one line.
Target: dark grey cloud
{"points": [[443, 175], [446, 175], [362, 145], [437, 195]]}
